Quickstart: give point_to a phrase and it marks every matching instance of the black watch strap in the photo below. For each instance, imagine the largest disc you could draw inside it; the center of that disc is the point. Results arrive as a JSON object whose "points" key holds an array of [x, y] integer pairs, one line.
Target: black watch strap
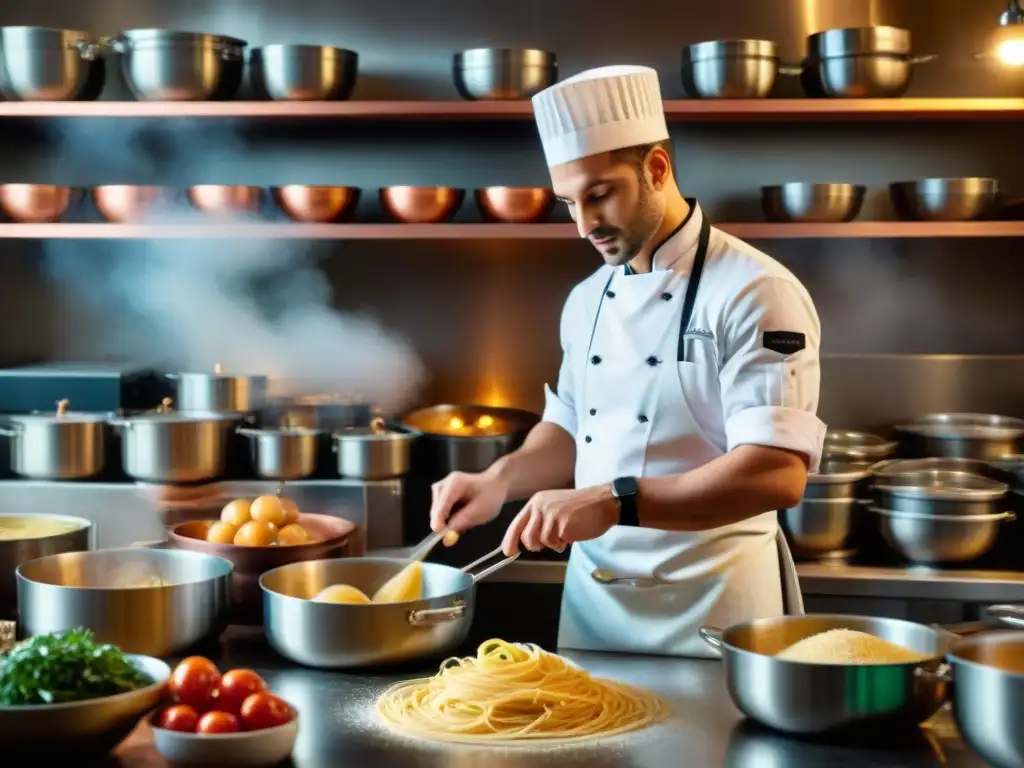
{"points": [[626, 490]]}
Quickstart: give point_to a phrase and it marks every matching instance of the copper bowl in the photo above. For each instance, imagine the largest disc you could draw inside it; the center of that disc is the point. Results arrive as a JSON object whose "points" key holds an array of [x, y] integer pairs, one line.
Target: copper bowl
{"points": [[125, 202], [225, 198], [252, 562], [515, 205], [321, 205], [34, 203], [421, 205]]}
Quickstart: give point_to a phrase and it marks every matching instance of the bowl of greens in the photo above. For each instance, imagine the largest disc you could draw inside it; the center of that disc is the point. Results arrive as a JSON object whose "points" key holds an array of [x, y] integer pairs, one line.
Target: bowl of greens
{"points": [[63, 692]]}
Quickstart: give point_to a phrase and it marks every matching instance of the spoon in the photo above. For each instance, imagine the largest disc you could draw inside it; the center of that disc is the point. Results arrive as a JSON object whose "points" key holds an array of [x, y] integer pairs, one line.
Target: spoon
{"points": [[604, 576]]}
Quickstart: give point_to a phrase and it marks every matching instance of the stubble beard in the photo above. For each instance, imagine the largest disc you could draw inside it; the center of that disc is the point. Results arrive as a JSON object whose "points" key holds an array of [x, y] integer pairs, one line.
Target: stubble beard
{"points": [[639, 231]]}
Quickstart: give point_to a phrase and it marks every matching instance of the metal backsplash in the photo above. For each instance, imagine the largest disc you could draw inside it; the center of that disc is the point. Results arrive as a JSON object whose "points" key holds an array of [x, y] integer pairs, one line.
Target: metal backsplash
{"points": [[483, 315]]}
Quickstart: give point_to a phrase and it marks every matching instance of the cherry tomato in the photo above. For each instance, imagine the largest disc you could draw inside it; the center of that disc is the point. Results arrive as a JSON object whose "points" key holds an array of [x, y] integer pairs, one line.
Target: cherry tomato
{"points": [[180, 717], [264, 710], [194, 681], [218, 722], [235, 687]]}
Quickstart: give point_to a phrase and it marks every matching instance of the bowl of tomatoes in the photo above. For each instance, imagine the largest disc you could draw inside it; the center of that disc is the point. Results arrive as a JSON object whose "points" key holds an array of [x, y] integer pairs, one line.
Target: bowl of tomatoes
{"points": [[229, 719]]}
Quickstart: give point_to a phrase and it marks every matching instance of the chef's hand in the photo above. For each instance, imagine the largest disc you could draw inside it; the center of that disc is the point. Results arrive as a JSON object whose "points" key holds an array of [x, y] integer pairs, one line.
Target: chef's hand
{"points": [[476, 499], [554, 519]]}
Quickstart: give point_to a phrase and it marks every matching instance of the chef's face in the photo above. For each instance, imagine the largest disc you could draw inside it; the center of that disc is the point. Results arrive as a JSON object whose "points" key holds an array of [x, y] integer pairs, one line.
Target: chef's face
{"points": [[615, 198]]}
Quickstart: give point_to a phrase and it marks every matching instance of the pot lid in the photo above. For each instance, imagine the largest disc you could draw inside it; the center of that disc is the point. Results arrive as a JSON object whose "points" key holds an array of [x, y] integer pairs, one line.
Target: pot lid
{"points": [[965, 425], [950, 485], [178, 417], [62, 414], [832, 471]]}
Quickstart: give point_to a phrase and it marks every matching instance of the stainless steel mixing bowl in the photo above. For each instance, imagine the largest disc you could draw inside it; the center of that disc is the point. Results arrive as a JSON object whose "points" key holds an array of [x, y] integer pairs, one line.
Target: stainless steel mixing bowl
{"points": [[963, 199], [82, 729], [45, 64], [821, 698], [303, 72], [730, 69], [804, 202], [817, 527], [939, 539], [157, 602], [503, 73]]}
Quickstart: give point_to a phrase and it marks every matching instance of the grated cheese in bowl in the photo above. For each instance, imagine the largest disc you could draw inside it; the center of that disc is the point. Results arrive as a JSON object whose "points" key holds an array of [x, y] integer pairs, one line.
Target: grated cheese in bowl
{"points": [[848, 646]]}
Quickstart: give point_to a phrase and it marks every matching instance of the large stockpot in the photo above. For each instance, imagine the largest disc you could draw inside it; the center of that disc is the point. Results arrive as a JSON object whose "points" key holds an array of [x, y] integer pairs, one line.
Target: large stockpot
{"points": [[57, 446], [466, 438], [987, 675], [931, 539], [503, 73], [303, 72], [77, 537], [45, 64], [339, 636], [173, 447], [374, 452], [289, 453], [156, 602], [166, 65], [815, 699], [730, 69], [985, 437], [219, 392], [939, 492]]}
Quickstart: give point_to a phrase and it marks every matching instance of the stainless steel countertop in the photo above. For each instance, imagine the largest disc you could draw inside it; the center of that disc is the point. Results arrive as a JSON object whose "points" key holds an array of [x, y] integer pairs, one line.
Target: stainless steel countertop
{"points": [[337, 725]]}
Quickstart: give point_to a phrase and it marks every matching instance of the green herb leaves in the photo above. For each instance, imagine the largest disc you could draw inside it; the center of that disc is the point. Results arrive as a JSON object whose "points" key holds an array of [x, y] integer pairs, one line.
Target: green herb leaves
{"points": [[65, 666]]}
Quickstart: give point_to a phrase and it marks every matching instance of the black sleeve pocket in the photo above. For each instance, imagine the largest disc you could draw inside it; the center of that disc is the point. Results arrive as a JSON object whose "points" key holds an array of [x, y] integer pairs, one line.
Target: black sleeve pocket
{"points": [[784, 342]]}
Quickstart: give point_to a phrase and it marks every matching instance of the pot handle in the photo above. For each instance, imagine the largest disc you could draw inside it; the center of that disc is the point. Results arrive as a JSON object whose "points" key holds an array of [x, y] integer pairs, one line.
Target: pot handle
{"points": [[247, 432], [712, 636], [943, 673], [6, 431], [115, 44], [1012, 615], [431, 617], [922, 59], [490, 569]]}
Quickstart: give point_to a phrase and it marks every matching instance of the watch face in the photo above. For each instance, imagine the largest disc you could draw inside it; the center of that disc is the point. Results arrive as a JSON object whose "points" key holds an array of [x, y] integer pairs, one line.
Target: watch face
{"points": [[624, 486]]}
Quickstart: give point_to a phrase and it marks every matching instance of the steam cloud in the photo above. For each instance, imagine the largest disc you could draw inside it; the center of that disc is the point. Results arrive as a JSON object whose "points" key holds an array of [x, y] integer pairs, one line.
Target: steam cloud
{"points": [[253, 306]]}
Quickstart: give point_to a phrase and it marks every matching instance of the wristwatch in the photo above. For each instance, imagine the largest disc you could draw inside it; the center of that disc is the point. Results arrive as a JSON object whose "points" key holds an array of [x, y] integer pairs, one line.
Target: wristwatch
{"points": [[625, 490]]}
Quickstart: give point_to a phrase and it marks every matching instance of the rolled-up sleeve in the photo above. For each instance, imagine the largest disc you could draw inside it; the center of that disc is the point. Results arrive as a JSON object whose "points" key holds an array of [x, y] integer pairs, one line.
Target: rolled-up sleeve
{"points": [[560, 403], [770, 397]]}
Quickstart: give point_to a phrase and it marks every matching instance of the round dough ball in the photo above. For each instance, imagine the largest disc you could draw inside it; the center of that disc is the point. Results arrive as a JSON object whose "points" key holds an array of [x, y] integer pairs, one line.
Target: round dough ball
{"points": [[291, 510], [222, 533], [341, 593], [291, 535], [254, 534], [268, 509], [236, 513]]}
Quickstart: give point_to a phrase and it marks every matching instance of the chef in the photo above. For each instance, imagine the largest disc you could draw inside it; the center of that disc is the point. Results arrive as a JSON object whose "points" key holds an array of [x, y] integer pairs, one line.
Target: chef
{"points": [[685, 404]]}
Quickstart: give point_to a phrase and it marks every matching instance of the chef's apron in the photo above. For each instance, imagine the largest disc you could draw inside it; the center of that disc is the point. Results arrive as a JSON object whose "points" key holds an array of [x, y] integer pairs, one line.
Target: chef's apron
{"points": [[644, 379]]}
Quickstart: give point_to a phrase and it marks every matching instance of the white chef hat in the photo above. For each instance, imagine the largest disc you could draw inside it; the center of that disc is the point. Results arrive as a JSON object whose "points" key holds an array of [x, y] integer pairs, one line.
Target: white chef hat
{"points": [[600, 110]]}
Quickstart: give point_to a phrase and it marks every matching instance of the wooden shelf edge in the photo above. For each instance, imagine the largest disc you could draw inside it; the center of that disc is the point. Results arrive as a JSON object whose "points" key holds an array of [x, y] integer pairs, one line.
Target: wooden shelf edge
{"points": [[677, 110], [293, 231]]}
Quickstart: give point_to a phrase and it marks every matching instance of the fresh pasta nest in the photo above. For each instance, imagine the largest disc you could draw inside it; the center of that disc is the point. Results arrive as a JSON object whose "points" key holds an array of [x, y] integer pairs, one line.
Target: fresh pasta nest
{"points": [[511, 692]]}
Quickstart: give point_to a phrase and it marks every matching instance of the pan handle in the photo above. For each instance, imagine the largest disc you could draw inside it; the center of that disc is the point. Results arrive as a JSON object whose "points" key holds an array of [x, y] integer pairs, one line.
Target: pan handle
{"points": [[490, 569], [431, 617], [712, 636], [1013, 615]]}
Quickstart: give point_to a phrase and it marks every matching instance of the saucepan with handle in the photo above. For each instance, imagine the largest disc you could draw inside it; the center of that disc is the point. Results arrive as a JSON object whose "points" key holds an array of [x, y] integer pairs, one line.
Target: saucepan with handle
{"points": [[814, 699], [347, 635]]}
